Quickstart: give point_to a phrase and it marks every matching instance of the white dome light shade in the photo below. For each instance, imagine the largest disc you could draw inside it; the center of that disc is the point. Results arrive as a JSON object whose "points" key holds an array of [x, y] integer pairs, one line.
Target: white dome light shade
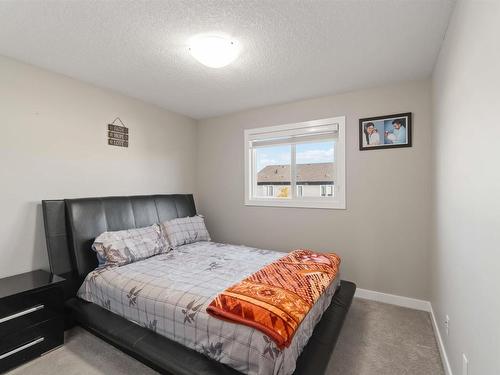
{"points": [[213, 51]]}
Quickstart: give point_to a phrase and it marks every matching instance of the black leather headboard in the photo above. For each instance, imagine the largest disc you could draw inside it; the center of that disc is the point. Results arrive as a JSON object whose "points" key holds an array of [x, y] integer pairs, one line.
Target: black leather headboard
{"points": [[71, 225]]}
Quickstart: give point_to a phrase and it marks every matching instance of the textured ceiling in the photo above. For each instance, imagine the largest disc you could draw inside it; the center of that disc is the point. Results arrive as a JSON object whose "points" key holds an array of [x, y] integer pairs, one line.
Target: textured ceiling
{"points": [[291, 49]]}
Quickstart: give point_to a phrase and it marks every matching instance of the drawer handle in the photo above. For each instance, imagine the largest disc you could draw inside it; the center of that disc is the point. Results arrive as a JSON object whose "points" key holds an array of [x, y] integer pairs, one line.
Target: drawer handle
{"points": [[25, 346], [21, 313]]}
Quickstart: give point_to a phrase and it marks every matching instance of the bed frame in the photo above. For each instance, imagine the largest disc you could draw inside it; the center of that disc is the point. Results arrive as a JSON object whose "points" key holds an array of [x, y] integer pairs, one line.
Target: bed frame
{"points": [[71, 225]]}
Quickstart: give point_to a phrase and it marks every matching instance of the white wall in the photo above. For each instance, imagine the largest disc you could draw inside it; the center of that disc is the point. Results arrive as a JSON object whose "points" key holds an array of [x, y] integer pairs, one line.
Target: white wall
{"points": [[53, 145], [466, 242], [383, 236]]}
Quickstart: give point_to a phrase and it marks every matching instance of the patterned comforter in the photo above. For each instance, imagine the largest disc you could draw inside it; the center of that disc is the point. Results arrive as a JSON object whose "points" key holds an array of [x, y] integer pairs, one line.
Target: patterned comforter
{"points": [[169, 294]]}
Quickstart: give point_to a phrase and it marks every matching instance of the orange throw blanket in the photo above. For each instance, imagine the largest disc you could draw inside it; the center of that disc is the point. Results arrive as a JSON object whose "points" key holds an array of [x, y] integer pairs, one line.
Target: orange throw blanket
{"points": [[277, 298]]}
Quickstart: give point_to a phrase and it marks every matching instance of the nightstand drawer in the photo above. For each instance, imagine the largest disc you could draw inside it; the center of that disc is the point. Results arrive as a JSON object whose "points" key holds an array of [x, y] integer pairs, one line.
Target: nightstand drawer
{"points": [[20, 311], [29, 343]]}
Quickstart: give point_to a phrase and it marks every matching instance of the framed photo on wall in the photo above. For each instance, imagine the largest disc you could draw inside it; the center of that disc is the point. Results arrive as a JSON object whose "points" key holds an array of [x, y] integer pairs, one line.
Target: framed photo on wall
{"points": [[391, 131]]}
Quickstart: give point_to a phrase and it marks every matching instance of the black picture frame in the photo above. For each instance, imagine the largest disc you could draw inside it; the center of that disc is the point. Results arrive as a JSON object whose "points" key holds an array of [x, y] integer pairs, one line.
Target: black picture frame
{"points": [[385, 140]]}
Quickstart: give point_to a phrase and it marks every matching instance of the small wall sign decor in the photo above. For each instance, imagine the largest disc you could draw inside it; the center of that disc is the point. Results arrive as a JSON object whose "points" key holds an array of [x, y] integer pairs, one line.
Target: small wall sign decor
{"points": [[389, 131], [117, 134]]}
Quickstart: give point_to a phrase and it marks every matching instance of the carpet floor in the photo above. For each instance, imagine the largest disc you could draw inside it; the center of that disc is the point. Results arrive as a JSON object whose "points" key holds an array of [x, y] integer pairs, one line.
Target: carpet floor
{"points": [[376, 339]]}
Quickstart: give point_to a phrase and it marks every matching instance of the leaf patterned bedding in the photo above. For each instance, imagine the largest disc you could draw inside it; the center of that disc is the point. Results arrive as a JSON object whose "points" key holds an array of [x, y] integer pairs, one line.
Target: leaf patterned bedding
{"points": [[169, 294]]}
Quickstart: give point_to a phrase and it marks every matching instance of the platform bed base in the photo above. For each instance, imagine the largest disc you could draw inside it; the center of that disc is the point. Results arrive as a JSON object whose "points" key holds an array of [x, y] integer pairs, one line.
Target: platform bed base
{"points": [[169, 357]]}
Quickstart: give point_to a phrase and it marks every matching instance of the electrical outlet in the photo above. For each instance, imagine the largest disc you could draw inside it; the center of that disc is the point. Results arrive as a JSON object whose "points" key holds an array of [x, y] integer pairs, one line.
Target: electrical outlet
{"points": [[465, 364], [447, 325]]}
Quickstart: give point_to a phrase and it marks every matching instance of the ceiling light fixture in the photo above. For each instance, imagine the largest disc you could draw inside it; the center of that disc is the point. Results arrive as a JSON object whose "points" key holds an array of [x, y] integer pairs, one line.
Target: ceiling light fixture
{"points": [[213, 51]]}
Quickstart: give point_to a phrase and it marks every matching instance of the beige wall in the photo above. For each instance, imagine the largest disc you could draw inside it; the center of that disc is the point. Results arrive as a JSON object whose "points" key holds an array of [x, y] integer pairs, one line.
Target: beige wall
{"points": [[466, 242], [383, 236], [53, 145]]}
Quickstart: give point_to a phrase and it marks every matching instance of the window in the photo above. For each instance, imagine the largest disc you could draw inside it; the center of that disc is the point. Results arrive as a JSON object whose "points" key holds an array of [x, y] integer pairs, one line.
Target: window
{"points": [[296, 165], [270, 190], [326, 190], [300, 190]]}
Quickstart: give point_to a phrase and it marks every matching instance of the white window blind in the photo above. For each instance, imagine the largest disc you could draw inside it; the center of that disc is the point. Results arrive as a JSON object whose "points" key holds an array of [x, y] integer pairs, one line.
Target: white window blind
{"points": [[291, 136]]}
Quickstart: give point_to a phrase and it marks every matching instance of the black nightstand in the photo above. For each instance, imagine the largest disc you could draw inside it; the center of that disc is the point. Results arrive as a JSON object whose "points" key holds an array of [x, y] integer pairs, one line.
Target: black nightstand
{"points": [[31, 317]]}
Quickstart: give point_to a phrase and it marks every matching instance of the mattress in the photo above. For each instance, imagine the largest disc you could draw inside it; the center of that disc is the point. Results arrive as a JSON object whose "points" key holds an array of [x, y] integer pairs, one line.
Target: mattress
{"points": [[169, 294]]}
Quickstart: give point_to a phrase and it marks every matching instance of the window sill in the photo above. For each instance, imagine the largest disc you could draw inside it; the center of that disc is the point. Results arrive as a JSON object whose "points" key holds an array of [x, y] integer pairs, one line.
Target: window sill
{"points": [[331, 205]]}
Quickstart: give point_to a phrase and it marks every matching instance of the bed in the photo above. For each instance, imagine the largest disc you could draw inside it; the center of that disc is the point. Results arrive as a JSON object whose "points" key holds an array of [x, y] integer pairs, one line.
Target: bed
{"points": [[169, 330]]}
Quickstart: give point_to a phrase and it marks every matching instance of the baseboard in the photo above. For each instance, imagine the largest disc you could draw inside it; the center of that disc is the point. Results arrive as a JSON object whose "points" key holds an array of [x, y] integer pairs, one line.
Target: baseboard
{"points": [[411, 303], [442, 350], [393, 299]]}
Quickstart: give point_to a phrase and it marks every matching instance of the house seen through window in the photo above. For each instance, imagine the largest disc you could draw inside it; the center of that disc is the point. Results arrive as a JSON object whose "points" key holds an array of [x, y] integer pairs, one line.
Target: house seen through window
{"points": [[299, 165]]}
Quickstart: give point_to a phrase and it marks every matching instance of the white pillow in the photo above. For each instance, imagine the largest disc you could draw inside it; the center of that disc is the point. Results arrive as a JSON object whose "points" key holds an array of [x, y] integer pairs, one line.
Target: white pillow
{"points": [[185, 230], [126, 246]]}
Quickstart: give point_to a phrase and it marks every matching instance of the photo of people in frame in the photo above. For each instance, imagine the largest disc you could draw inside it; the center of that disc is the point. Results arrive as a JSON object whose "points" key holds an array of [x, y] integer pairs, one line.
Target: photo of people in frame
{"points": [[385, 132]]}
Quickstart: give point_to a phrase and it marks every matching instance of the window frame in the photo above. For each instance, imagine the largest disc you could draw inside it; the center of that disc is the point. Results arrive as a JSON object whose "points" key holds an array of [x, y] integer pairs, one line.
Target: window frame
{"points": [[338, 201]]}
